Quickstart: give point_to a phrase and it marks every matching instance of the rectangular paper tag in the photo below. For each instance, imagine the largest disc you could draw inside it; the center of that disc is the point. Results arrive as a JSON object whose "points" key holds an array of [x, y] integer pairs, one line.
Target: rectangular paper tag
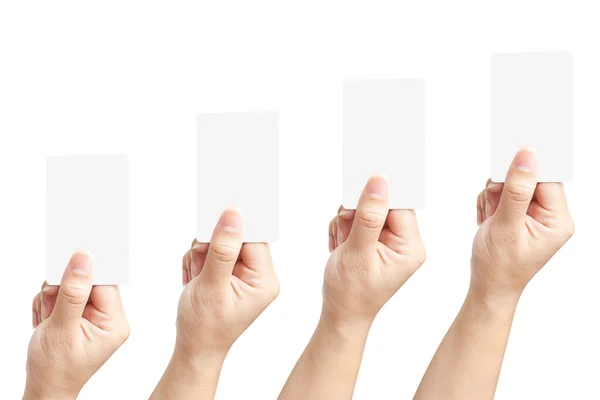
{"points": [[87, 208], [532, 106], [238, 165], [384, 132]]}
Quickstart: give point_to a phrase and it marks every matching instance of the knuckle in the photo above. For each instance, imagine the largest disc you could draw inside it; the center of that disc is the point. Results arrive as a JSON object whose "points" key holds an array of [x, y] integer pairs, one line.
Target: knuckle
{"points": [[276, 289], [124, 332], [421, 256], [370, 219], [74, 295], [224, 252], [518, 193], [570, 229]]}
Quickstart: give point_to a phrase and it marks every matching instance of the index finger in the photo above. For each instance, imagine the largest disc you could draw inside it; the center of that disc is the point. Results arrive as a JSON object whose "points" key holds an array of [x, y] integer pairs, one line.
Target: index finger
{"points": [[106, 299], [551, 195]]}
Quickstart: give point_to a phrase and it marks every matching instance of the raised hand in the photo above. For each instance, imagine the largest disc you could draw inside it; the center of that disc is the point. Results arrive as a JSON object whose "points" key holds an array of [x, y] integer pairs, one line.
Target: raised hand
{"points": [[228, 284], [77, 328], [374, 252], [522, 225]]}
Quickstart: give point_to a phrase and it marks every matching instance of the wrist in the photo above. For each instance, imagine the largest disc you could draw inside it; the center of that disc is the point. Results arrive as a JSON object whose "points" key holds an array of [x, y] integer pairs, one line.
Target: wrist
{"points": [[37, 392], [199, 359], [190, 374], [344, 328], [492, 302]]}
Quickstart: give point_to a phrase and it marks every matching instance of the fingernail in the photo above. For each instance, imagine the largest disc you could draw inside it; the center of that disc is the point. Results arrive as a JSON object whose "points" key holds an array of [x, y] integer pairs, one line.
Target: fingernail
{"points": [[81, 262], [197, 245], [231, 220], [492, 185], [525, 160], [377, 188]]}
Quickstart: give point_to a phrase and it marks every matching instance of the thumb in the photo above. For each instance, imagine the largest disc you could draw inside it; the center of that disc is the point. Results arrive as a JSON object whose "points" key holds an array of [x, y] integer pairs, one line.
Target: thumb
{"points": [[519, 187], [224, 248], [371, 213], [74, 290]]}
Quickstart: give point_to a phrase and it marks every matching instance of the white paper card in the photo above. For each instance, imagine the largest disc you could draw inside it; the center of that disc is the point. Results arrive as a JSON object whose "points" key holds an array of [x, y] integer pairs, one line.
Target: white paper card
{"points": [[87, 208], [532, 106], [237, 162], [384, 132]]}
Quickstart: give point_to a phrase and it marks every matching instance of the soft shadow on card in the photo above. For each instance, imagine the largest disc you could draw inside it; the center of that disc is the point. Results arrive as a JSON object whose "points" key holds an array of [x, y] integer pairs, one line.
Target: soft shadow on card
{"points": [[532, 106], [87, 207], [384, 132], [237, 163]]}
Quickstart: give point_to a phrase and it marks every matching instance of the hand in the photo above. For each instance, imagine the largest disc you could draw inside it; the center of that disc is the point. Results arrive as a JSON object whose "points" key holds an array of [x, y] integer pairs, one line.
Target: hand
{"points": [[522, 225], [228, 285], [78, 327], [374, 252]]}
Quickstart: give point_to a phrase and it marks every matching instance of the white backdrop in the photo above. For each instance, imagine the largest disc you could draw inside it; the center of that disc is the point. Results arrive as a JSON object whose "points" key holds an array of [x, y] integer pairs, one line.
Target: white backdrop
{"points": [[111, 77]]}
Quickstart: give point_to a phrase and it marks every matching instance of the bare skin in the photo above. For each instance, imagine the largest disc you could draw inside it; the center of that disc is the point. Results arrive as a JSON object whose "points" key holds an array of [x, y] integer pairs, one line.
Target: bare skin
{"points": [[374, 252], [522, 225], [77, 328], [227, 286]]}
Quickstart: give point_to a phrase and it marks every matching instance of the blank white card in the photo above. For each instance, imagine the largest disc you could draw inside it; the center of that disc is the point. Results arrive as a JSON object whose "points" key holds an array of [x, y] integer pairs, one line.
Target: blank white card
{"points": [[87, 208], [384, 132], [532, 105], [237, 163]]}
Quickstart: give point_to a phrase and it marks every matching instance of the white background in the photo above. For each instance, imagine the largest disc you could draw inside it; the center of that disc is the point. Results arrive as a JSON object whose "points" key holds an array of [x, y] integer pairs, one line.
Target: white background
{"points": [[111, 77]]}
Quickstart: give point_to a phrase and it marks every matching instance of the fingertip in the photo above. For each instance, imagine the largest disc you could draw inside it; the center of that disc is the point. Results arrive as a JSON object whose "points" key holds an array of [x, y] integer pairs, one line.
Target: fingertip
{"points": [[81, 263], [494, 187], [200, 247], [377, 187], [231, 220], [525, 160], [346, 214], [83, 253], [50, 290]]}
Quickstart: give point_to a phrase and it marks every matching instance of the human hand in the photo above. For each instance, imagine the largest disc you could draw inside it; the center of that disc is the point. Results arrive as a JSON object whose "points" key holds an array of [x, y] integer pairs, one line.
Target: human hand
{"points": [[228, 285], [374, 252], [522, 225], [77, 328]]}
